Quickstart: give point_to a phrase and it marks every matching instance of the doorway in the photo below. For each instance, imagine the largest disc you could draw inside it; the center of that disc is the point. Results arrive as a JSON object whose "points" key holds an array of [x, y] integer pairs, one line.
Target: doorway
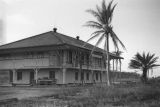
{"points": [[52, 74], [31, 77], [11, 76]]}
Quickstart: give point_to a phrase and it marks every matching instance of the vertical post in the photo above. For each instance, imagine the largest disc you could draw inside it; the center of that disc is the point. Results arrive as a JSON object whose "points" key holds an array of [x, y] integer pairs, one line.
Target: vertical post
{"points": [[64, 75], [113, 64], [93, 81], [14, 75], [116, 65], [36, 75], [101, 76], [120, 68]]}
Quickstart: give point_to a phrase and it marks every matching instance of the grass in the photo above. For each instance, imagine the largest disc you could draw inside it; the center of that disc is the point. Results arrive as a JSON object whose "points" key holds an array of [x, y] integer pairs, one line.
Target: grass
{"points": [[139, 95], [122, 95]]}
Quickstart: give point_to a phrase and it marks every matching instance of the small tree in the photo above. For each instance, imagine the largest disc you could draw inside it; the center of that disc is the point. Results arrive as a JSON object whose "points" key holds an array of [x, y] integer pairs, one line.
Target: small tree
{"points": [[144, 62]]}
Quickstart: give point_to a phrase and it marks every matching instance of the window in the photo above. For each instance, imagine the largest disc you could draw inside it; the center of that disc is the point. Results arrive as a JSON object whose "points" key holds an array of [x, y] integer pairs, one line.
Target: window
{"points": [[87, 57], [76, 75], [96, 76], [99, 62], [70, 57], [101, 76], [40, 54], [19, 75], [5, 56], [52, 74], [87, 76], [82, 58], [82, 76]]}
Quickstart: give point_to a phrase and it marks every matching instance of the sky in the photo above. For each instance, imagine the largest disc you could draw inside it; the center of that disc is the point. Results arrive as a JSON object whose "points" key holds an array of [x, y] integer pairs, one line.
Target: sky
{"points": [[136, 22]]}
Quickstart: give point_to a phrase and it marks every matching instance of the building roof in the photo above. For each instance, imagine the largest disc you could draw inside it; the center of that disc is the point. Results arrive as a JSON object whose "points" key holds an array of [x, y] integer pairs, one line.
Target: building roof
{"points": [[50, 38]]}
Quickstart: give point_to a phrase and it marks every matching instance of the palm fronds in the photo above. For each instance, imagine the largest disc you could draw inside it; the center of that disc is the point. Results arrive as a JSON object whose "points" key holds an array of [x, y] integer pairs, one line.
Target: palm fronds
{"points": [[144, 62]]}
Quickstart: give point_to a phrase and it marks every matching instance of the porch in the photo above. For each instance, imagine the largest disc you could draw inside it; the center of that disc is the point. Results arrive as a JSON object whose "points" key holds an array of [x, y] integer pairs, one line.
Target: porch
{"points": [[39, 76], [52, 76]]}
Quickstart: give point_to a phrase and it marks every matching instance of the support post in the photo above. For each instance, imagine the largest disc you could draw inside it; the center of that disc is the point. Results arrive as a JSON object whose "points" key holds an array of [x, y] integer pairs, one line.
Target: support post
{"points": [[36, 75], [64, 75], [116, 65], [92, 73], [113, 64], [101, 76], [120, 68], [14, 75]]}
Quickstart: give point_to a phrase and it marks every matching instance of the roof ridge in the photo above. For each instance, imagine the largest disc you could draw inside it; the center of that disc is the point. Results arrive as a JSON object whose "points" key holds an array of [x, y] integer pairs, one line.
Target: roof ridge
{"points": [[62, 41]]}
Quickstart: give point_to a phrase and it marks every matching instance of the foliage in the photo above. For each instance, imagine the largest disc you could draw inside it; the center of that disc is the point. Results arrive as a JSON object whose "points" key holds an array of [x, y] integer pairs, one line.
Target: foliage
{"points": [[104, 16], [104, 29], [139, 95], [144, 62], [127, 95]]}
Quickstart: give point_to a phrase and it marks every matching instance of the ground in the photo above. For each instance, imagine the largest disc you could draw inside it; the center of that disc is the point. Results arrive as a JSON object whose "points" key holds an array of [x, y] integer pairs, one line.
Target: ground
{"points": [[25, 92], [120, 95]]}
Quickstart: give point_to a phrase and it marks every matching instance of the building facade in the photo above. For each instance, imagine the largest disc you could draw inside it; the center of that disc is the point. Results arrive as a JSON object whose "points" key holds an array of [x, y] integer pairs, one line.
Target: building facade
{"points": [[52, 56]]}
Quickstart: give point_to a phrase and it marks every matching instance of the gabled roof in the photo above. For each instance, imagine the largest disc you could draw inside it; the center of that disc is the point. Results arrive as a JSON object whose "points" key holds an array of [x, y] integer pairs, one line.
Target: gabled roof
{"points": [[50, 38]]}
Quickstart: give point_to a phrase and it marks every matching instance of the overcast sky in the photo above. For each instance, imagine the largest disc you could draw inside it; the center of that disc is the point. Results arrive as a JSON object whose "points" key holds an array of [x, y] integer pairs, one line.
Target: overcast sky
{"points": [[136, 22]]}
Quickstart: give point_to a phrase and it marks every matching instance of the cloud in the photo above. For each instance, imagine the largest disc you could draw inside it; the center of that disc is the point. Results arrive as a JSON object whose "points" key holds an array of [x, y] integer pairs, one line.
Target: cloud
{"points": [[11, 1], [19, 19]]}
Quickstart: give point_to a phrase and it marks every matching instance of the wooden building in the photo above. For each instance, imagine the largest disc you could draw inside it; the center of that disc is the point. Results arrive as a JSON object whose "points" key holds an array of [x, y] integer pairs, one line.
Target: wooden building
{"points": [[52, 58]]}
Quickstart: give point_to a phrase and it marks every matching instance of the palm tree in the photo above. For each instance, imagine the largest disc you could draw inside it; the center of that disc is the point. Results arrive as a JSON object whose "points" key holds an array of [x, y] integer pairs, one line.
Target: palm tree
{"points": [[104, 29], [144, 62]]}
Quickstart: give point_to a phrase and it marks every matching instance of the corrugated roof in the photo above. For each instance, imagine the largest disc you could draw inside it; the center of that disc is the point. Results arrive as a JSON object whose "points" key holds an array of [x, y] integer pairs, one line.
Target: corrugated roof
{"points": [[44, 39], [48, 39]]}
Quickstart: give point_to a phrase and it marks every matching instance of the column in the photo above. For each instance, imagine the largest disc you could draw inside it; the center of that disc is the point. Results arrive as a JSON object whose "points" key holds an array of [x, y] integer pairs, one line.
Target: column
{"points": [[101, 76], [36, 75], [64, 75], [120, 68], [64, 58], [92, 76], [113, 64], [113, 73], [14, 75]]}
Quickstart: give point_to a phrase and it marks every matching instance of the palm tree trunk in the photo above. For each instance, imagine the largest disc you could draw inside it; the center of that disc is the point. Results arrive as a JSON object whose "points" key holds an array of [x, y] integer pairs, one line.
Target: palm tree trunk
{"points": [[107, 66], [120, 65], [144, 76], [113, 74]]}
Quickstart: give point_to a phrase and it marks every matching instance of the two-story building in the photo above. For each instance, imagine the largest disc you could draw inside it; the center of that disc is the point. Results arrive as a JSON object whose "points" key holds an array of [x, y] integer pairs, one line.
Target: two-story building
{"points": [[52, 56]]}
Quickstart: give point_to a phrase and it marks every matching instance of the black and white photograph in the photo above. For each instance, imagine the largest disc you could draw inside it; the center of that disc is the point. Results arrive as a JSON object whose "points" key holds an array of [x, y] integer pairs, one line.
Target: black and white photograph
{"points": [[79, 53]]}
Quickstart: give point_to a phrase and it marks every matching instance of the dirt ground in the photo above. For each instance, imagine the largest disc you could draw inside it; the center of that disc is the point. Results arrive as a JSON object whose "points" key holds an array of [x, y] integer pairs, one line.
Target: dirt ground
{"points": [[25, 92]]}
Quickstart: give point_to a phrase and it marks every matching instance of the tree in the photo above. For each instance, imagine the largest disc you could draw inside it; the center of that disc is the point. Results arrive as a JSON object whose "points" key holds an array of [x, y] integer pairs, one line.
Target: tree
{"points": [[104, 29], [144, 62]]}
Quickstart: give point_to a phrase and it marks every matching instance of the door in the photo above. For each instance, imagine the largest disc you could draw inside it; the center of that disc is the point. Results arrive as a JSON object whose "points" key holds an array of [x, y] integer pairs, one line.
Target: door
{"points": [[31, 77], [52, 74], [11, 76]]}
